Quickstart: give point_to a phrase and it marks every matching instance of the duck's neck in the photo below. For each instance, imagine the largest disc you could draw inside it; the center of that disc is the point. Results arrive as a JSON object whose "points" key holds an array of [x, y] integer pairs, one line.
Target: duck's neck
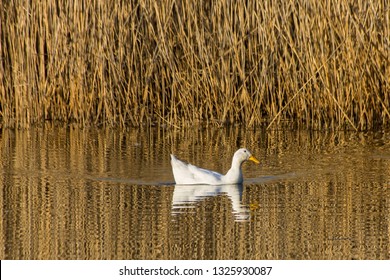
{"points": [[234, 175]]}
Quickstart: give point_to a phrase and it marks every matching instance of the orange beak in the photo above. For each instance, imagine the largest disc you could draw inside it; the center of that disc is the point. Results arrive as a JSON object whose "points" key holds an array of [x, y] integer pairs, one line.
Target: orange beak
{"points": [[255, 160]]}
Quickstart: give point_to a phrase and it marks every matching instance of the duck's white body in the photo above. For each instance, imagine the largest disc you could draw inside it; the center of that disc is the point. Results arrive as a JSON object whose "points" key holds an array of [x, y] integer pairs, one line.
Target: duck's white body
{"points": [[188, 174]]}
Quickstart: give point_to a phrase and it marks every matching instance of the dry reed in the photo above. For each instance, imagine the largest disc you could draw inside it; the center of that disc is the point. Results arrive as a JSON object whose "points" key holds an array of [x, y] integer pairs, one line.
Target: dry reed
{"points": [[317, 64]]}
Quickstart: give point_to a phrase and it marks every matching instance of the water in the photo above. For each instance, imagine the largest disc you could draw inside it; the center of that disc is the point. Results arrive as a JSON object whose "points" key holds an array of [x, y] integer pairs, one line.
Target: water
{"points": [[68, 193]]}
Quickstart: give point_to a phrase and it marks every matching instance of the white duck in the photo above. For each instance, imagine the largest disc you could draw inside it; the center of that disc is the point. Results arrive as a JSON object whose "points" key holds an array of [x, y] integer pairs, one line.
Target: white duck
{"points": [[188, 174]]}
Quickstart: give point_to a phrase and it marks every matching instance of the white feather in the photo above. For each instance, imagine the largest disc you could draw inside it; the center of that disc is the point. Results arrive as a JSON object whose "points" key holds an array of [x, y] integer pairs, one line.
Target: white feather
{"points": [[188, 174]]}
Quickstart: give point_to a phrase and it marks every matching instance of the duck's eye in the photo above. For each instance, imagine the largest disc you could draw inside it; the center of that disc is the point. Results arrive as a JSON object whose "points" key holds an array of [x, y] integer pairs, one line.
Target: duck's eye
{"points": [[244, 151]]}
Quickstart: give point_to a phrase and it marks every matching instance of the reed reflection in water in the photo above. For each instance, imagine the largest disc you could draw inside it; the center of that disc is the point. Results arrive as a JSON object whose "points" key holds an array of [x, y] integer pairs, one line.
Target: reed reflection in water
{"points": [[99, 194]]}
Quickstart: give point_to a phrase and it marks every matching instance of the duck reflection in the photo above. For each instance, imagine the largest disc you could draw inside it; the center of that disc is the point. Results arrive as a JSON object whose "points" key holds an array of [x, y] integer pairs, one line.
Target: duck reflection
{"points": [[185, 196]]}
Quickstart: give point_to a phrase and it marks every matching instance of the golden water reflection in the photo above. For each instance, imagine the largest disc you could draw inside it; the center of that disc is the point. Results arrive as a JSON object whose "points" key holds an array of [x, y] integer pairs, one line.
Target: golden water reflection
{"points": [[97, 194]]}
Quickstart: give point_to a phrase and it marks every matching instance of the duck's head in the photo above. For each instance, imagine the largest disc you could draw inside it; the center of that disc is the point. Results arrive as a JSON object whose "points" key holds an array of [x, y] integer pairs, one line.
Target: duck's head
{"points": [[244, 154]]}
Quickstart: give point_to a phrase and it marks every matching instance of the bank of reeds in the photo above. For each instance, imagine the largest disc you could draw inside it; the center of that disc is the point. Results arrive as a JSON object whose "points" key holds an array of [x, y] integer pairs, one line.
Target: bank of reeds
{"points": [[318, 64]]}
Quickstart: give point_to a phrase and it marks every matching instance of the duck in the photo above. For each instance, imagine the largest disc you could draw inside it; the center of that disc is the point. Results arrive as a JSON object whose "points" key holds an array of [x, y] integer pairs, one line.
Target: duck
{"points": [[188, 174]]}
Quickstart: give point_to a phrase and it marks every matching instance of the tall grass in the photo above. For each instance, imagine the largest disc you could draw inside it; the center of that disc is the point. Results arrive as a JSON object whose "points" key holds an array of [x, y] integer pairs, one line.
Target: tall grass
{"points": [[318, 64]]}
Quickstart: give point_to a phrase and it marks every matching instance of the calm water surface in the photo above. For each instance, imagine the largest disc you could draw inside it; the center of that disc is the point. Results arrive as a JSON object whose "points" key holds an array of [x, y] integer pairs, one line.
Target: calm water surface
{"points": [[68, 193]]}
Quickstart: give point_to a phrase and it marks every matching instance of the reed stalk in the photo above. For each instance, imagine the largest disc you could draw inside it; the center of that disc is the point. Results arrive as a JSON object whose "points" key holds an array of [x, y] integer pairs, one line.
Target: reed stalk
{"points": [[315, 64]]}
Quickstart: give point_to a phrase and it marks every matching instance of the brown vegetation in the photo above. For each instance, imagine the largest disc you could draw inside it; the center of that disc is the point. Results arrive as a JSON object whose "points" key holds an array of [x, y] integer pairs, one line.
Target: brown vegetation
{"points": [[317, 64]]}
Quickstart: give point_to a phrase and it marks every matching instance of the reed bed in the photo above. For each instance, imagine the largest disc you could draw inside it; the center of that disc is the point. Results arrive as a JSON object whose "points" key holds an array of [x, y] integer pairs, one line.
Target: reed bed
{"points": [[317, 64]]}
